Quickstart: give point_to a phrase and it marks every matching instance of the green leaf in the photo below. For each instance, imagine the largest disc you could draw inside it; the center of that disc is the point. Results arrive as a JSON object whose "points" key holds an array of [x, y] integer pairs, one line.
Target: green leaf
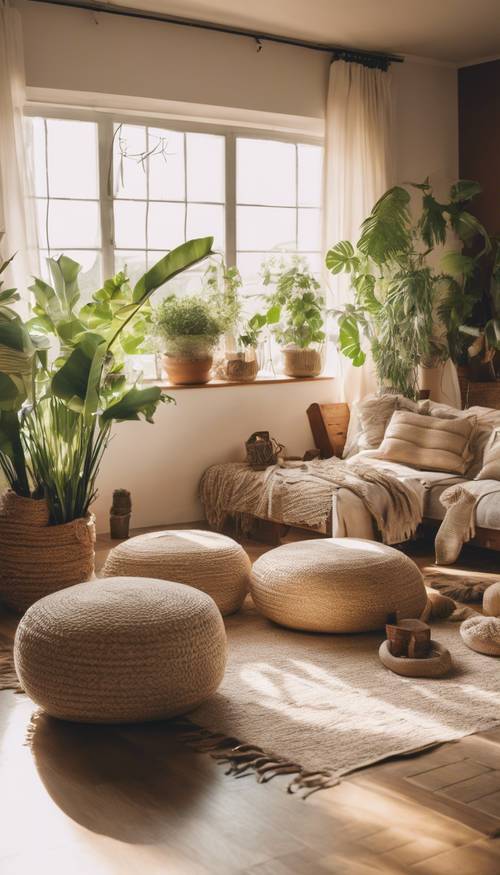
{"points": [[464, 190], [455, 263], [134, 403], [468, 228], [273, 315], [349, 340], [432, 222], [386, 231], [10, 398], [341, 258], [178, 260], [71, 381]]}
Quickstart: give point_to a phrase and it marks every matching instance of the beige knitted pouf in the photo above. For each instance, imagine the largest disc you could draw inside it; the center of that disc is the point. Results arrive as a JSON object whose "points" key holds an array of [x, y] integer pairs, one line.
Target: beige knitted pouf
{"points": [[206, 560], [336, 585], [121, 650], [482, 634]]}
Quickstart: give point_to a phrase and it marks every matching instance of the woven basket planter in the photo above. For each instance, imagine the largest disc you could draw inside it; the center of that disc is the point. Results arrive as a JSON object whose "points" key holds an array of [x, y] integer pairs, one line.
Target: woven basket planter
{"points": [[302, 362], [37, 559]]}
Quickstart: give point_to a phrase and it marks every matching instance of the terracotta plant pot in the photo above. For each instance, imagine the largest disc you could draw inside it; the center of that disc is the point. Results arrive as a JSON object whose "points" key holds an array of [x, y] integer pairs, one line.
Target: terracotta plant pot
{"points": [[37, 559], [188, 371], [302, 362]]}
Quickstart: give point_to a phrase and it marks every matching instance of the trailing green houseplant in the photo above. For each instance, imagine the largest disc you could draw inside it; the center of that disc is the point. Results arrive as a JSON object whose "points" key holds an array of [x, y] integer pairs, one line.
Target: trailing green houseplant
{"points": [[397, 289], [471, 310], [57, 407], [296, 314], [188, 329]]}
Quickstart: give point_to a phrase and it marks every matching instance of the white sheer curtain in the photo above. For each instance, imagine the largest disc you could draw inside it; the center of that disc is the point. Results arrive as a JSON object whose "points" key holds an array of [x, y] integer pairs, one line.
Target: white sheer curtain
{"points": [[357, 172], [16, 210]]}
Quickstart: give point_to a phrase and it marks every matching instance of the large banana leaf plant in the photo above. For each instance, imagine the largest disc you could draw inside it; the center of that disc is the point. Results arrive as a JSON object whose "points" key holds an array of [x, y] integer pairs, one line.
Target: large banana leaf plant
{"points": [[396, 283], [62, 382]]}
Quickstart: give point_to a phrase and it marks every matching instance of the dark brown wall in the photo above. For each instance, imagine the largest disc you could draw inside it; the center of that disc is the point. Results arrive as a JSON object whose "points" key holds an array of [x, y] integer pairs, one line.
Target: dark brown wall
{"points": [[479, 137]]}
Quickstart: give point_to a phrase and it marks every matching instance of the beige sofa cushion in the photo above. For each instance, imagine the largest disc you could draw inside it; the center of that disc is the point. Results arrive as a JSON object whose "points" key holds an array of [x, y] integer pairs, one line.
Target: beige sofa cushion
{"points": [[491, 459], [368, 421], [428, 443], [487, 420]]}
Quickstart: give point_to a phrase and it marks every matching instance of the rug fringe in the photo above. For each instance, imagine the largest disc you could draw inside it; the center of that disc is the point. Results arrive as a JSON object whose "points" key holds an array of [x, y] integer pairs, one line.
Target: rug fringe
{"points": [[8, 676], [247, 759]]}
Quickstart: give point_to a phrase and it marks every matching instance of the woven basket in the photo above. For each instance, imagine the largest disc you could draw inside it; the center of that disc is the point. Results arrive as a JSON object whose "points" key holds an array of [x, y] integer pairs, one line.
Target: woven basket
{"points": [[37, 559], [302, 362]]}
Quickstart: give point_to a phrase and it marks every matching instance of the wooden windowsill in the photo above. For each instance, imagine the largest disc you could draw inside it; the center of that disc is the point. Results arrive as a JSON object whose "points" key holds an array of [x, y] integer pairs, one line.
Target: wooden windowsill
{"points": [[259, 381]]}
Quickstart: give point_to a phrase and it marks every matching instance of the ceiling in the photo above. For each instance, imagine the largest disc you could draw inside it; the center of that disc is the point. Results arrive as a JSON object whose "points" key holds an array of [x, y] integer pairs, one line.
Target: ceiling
{"points": [[456, 31]]}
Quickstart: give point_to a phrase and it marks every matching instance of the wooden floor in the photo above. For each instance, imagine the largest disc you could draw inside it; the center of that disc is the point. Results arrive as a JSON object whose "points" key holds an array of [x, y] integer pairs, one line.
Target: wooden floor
{"points": [[85, 800]]}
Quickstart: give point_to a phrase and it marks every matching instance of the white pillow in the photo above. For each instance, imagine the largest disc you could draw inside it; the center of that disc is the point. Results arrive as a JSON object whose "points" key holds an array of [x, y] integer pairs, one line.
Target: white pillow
{"points": [[491, 459], [428, 442]]}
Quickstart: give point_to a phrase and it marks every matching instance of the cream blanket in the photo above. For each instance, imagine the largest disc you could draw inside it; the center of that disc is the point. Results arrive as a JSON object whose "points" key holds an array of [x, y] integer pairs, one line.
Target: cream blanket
{"points": [[304, 495]]}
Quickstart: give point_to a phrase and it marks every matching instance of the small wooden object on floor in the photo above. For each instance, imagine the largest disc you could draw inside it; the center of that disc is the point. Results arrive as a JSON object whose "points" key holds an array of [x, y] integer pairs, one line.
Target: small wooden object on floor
{"points": [[119, 515], [410, 638]]}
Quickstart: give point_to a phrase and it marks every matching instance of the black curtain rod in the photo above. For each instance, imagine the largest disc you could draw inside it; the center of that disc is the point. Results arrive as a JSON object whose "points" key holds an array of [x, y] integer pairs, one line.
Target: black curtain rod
{"points": [[339, 52]]}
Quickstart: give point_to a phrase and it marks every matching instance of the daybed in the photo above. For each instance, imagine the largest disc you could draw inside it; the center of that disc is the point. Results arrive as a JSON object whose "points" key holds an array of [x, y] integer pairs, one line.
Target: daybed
{"points": [[370, 495], [330, 426]]}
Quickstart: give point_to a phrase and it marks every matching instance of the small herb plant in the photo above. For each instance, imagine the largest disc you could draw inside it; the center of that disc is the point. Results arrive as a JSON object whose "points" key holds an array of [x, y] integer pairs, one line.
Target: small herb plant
{"points": [[189, 327], [296, 307]]}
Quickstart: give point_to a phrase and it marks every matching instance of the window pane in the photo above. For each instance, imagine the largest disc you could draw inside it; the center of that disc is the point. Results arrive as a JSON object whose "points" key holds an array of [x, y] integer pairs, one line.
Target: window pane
{"points": [[74, 224], [205, 167], [204, 220], [132, 263], [129, 170], [265, 228], [249, 265], [165, 225], [166, 165], [265, 172], [41, 222], [314, 261], [35, 136], [310, 175], [130, 224], [72, 158], [309, 236]]}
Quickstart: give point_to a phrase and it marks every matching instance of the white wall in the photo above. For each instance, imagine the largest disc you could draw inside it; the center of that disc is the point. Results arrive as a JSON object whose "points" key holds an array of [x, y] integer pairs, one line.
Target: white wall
{"points": [[80, 51], [425, 122], [161, 464]]}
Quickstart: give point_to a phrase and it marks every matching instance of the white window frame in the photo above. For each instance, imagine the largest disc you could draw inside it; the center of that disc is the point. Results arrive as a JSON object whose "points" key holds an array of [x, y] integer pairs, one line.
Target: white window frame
{"points": [[106, 121]]}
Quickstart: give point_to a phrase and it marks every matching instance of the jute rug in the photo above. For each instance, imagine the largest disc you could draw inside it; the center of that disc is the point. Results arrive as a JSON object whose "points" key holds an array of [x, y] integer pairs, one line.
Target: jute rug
{"points": [[318, 707], [322, 706]]}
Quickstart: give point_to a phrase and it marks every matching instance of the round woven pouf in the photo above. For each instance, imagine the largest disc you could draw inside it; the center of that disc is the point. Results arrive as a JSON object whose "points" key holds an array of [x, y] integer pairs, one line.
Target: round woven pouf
{"points": [[336, 585], [206, 560], [482, 634], [121, 650]]}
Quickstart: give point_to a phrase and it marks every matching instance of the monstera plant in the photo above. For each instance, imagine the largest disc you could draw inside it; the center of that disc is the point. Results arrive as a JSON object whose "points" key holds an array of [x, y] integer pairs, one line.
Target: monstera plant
{"points": [[400, 288], [55, 417]]}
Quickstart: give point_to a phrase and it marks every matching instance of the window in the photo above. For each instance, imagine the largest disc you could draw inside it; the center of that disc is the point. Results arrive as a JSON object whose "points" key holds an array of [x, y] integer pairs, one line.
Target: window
{"points": [[113, 193], [278, 203], [66, 189]]}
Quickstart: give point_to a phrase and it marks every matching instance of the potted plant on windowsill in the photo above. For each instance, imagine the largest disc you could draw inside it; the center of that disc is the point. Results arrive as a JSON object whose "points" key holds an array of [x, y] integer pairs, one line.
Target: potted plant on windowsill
{"points": [[56, 416], [242, 365], [188, 330], [296, 314]]}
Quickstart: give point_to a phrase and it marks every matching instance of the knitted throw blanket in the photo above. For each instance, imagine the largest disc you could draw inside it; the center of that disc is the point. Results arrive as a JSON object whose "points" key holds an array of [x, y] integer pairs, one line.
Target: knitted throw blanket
{"points": [[303, 495]]}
